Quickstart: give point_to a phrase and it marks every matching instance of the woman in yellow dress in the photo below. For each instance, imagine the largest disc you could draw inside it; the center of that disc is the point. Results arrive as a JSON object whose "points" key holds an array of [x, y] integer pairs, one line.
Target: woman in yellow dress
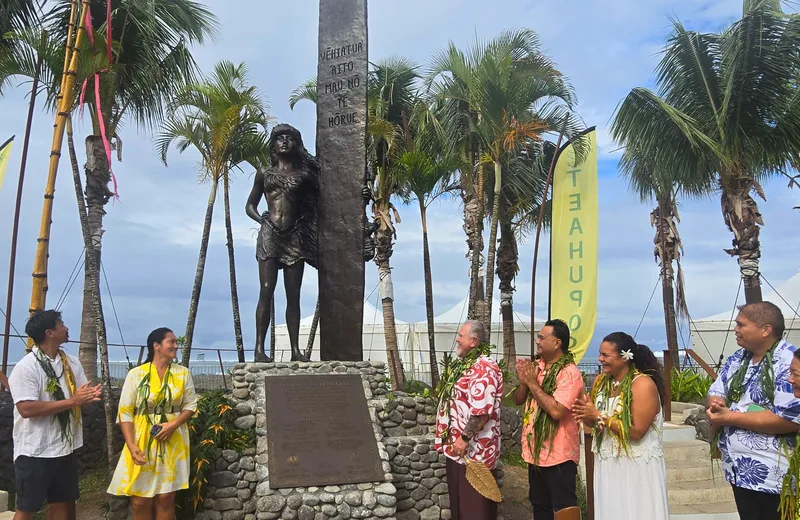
{"points": [[157, 400]]}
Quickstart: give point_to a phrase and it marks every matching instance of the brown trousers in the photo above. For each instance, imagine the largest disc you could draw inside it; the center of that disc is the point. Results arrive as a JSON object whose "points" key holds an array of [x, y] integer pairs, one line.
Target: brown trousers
{"points": [[465, 502]]}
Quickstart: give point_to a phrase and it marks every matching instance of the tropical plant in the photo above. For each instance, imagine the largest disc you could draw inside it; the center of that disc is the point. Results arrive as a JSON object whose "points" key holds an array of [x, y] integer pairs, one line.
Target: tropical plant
{"points": [[426, 175], [510, 94], [689, 386], [726, 115], [16, 16], [211, 431], [657, 182], [520, 209], [225, 119]]}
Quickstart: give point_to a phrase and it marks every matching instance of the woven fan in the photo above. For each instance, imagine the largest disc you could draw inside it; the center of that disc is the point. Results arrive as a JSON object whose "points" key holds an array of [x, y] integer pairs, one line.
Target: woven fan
{"points": [[479, 477]]}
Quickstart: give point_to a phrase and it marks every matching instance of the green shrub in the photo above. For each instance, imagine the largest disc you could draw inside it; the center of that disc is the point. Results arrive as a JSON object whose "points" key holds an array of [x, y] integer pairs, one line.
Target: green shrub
{"points": [[211, 430], [689, 386]]}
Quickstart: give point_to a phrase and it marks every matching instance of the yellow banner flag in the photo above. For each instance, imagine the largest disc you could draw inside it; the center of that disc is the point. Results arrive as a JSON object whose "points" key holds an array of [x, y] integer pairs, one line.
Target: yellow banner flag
{"points": [[5, 156], [573, 242]]}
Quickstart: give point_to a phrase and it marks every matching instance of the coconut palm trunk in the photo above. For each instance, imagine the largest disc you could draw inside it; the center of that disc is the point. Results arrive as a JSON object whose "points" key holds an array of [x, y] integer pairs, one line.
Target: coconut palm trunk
{"points": [[473, 227], [198, 277], [98, 176], [507, 268], [426, 262], [659, 217], [743, 219], [96, 304], [383, 251], [237, 319], [490, 257]]}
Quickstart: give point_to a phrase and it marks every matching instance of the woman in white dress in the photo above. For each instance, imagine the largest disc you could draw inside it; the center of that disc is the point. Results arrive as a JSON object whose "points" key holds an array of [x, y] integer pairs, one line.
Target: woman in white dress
{"points": [[624, 411]]}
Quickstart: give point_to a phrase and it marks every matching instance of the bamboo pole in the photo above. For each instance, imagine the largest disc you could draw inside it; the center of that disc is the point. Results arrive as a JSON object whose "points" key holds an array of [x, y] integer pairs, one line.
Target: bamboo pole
{"points": [[18, 206], [39, 288]]}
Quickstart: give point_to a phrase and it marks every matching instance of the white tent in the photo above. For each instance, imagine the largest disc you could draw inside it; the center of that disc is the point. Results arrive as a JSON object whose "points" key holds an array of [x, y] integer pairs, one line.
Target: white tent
{"points": [[446, 327], [373, 339], [713, 337]]}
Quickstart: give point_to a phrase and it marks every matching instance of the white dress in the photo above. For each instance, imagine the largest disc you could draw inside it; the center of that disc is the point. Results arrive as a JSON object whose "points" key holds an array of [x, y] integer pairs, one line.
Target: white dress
{"points": [[630, 486]]}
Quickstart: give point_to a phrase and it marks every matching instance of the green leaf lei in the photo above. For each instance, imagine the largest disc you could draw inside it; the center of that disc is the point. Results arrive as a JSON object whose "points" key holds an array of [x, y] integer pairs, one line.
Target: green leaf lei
{"points": [[789, 506], [53, 387], [544, 426], [604, 385], [162, 403], [737, 386], [453, 368]]}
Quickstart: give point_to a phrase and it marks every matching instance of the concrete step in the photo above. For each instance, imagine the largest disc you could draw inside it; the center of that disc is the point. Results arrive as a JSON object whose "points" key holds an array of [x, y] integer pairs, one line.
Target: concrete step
{"points": [[697, 492], [710, 511], [693, 470], [8, 515], [686, 450], [674, 432]]}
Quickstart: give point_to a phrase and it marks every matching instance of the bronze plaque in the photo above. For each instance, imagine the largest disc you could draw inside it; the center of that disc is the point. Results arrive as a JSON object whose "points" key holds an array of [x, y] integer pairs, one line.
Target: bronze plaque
{"points": [[319, 432]]}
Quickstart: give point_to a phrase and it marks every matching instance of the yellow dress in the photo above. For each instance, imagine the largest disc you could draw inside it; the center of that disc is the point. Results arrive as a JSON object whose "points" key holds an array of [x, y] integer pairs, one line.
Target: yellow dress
{"points": [[167, 467]]}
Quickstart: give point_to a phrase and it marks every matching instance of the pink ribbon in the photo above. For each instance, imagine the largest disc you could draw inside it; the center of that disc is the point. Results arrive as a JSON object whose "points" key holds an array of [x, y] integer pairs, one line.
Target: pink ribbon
{"points": [[100, 119]]}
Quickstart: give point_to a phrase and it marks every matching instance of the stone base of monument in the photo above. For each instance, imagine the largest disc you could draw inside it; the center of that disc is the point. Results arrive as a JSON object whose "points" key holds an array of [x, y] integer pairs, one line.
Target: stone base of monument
{"points": [[263, 402]]}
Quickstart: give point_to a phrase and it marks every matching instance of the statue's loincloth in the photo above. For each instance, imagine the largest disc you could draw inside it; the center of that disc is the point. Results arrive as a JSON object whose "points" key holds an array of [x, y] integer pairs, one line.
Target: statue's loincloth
{"points": [[288, 246]]}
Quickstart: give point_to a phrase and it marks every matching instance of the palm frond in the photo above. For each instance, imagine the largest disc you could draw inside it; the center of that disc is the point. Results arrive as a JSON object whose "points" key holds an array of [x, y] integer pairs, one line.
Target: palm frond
{"points": [[307, 91]]}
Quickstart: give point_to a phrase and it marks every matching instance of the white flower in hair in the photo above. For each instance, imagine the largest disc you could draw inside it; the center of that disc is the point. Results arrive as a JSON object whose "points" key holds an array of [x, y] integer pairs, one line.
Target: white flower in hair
{"points": [[627, 355]]}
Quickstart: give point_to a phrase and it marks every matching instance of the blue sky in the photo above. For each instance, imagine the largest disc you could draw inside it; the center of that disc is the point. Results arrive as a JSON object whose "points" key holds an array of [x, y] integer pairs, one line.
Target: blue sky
{"points": [[153, 233]]}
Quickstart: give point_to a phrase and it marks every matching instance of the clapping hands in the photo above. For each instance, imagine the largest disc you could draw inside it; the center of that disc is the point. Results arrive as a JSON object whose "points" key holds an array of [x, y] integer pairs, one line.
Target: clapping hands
{"points": [[87, 394], [528, 372], [584, 410]]}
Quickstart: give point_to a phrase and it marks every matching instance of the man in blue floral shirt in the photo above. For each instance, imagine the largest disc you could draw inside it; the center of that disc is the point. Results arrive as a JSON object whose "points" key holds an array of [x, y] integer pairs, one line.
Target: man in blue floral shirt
{"points": [[752, 406]]}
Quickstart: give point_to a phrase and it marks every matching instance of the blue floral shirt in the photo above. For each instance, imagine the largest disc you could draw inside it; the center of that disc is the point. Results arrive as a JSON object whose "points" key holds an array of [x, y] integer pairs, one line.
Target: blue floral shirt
{"points": [[754, 460]]}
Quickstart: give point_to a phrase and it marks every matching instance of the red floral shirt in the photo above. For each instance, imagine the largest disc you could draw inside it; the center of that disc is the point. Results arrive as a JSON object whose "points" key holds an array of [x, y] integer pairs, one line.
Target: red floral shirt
{"points": [[478, 392]]}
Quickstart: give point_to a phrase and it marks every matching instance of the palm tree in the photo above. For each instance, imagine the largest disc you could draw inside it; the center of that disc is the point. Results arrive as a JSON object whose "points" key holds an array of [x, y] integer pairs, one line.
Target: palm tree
{"points": [[426, 175], [512, 93], [225, 119], [134, 62], [653, 181], [519, 212], [728, 114]]}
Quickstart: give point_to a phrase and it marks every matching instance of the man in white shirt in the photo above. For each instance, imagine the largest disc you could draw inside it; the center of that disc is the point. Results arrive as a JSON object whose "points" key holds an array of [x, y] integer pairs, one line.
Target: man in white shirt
{"points": [[49, 387]]}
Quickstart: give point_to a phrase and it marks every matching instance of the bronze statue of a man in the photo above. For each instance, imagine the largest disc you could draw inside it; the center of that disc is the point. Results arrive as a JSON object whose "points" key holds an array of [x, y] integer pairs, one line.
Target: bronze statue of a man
{"points": [[288, 236]]}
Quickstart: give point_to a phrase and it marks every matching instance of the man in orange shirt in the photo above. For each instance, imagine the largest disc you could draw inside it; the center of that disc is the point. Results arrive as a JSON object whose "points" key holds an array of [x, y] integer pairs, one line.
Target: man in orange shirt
{"points": [[550, 442]]}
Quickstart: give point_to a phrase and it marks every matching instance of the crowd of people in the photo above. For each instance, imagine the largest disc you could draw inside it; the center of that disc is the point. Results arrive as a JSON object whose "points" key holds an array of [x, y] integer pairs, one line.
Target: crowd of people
{"points": [[753, 406]]}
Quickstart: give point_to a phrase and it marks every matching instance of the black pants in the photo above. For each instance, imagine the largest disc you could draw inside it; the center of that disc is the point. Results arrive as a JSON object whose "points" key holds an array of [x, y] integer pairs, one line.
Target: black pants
{"points": [[756, 505], [465, 502], [552, 488]]}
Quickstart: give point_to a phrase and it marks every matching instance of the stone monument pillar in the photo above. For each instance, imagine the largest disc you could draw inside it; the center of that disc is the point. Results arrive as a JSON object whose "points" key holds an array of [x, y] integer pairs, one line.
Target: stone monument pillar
{"points": [[342, 152]]}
